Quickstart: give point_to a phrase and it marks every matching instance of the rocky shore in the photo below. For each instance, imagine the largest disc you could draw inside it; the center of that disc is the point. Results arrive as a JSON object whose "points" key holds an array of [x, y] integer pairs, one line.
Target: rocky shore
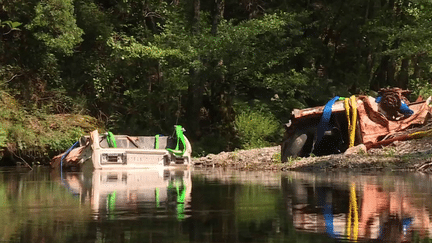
{"points": [[412, 155]]}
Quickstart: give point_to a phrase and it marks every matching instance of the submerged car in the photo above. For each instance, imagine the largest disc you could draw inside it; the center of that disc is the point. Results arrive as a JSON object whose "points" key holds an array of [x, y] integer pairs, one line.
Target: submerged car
{"points": [[114, 152], [347, 122]]}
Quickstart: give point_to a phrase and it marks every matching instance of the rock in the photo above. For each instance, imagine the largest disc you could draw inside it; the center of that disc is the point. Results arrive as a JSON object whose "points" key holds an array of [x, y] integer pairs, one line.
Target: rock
{"points": [[361, 148]]}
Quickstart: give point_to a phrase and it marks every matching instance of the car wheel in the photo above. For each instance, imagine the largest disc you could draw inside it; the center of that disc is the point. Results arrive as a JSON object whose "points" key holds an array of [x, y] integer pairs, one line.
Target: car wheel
{"points": [[295, 146]]}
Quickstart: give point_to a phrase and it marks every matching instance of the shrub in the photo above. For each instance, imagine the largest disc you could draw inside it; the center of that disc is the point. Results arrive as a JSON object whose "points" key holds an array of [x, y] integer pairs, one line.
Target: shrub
{"points": [[210, 144], [256, 129], [421, 88]]}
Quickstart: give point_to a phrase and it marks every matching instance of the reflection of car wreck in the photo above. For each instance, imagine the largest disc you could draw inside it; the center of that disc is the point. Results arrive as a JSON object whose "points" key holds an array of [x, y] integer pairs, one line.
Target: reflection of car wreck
{"points": [[111, 193], [364, 213], [344, 123]]}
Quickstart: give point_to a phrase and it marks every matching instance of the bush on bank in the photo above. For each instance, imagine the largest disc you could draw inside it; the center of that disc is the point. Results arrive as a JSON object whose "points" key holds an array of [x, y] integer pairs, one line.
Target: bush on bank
{"points": [[33, 136], [257, 129]]}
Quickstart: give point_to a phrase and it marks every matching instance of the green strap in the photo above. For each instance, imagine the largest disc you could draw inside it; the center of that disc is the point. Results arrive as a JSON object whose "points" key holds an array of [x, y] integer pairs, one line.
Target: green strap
{"points": [[111, 140], [111, 201], [157, 197], [181, 196], [157, 141], [180, 138], [180, 211]]}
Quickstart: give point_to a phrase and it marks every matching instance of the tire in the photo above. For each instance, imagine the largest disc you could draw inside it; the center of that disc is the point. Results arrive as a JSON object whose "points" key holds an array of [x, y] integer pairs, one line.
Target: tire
{"points": [[297, 145]]}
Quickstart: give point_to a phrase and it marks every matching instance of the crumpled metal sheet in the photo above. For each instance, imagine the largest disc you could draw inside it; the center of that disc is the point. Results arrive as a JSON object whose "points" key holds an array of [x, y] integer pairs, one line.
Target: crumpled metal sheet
{"points": [[74, 157], [374, 126]]}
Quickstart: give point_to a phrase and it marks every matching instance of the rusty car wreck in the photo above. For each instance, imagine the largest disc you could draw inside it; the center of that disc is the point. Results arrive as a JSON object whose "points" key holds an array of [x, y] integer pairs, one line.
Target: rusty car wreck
{"points": [[359, 120]]}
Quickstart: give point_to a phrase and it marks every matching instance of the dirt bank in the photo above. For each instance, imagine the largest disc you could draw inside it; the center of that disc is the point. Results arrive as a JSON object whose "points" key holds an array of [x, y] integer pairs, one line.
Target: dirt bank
{"points": [[413, 155]]}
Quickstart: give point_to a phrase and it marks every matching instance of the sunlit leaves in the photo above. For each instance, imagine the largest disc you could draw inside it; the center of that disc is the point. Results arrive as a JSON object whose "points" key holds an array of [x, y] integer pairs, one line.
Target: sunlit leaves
{"points": [[128, 47], [406, 30], [55, 25], [11, 25]]}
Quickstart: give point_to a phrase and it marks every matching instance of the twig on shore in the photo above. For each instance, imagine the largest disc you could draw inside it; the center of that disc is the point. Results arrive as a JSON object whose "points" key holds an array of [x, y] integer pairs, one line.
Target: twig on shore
{"points": [[28, 165], [424, 166]]}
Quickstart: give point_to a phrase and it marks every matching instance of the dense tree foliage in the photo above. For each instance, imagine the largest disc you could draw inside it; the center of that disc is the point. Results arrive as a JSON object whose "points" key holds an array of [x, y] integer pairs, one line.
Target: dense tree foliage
{"points": [[141, 66]]}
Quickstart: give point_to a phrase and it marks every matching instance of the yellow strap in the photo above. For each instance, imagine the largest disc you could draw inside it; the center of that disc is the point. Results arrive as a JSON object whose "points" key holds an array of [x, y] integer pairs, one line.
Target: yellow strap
{"points": [[351, 118], [347, 111], [353, 211], [421, 134], [354, 120]]}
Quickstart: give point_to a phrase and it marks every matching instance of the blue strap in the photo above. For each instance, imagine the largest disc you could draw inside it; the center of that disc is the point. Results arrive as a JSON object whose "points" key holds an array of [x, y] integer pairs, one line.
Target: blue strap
{"points": [[327, 210], [325, 119], [404, 109], [61, 168], [406, 223], [328, 216], [64, 155]]}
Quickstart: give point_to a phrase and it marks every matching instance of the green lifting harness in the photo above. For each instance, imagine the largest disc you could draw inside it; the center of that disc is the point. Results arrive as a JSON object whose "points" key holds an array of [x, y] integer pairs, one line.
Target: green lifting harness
{"points": [[157, 141], [180, 138], [111, 140]]}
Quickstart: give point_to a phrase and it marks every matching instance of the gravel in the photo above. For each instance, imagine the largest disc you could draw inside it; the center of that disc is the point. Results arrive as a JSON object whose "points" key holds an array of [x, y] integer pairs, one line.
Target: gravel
{"points": [[412, 155]]}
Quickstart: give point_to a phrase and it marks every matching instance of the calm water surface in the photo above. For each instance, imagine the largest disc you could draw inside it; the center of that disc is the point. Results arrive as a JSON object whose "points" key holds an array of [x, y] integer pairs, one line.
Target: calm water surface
{"points": [[213, 206]]}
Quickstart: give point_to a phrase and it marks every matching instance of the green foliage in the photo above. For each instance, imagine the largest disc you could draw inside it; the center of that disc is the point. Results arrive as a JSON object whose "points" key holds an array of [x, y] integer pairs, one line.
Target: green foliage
{"points": [[3, 137], [292, 161], [276, 158], [142, 66], [389, 152], [11, 25], [421, 88], [55, 25], [61, 141], [256, 128], [255, 204], [38, 135], [202, 148], [129, 47]]}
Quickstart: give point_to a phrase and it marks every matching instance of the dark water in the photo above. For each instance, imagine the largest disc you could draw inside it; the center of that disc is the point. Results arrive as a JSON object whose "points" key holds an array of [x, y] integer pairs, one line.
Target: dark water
{"points": [[213, 206]]}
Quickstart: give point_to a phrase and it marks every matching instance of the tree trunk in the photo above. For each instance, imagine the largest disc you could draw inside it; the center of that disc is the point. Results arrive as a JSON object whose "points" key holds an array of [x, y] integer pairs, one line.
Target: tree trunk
{"points": [[417, 69], [221, 90], [391, 71], [380, 75], [367, 11], [403, 74], [196, 17], [217, 15], [196, 84]]}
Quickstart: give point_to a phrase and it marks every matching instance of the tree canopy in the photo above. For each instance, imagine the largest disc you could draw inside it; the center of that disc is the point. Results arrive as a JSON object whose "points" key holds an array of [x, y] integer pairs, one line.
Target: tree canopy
{"points": [[143, 66]]}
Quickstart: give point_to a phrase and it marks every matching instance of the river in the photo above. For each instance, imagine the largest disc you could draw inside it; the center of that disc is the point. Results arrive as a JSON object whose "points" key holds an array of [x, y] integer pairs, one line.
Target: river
{"points": [[213, 206]]}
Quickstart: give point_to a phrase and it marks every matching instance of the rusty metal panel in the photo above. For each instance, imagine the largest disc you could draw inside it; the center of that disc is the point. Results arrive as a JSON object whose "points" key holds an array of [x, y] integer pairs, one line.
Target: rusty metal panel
{"points": [[317, 111]]}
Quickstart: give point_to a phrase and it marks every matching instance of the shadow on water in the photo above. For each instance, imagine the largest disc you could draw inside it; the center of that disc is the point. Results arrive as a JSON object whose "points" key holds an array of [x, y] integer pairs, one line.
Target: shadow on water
{"points": [[213, 206]]}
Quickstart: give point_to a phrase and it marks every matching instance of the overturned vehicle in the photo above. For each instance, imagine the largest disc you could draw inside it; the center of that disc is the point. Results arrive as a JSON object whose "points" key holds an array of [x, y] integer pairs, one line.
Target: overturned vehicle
{"points": [[347, 122], [116, 152]]}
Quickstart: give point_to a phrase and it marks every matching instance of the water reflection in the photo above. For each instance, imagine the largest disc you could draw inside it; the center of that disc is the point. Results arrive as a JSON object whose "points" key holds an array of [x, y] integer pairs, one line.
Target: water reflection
{"points": [[117, 194], [213, 206], [337, 206], [33, 208], [388, 209]]}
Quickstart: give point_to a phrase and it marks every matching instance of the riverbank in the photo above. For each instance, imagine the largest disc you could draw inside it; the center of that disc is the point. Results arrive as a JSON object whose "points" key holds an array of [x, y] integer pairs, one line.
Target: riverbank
{"points": [[412, 155]]}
